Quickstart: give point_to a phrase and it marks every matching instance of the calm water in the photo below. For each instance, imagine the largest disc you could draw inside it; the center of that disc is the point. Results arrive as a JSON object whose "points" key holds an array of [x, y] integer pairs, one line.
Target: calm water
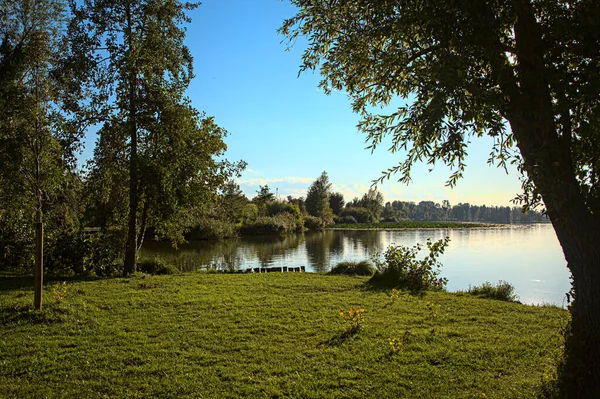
{"points": [[529, 257]]}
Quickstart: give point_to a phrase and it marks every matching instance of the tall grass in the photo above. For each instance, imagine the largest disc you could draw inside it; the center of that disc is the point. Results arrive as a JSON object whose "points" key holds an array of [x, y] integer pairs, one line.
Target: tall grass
{"points": [[503, 291]]}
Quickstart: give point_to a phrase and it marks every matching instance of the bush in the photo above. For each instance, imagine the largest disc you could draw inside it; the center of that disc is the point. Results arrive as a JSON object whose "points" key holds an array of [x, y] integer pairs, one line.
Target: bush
{"points": [[313, 223], [212, 229], [104, 253], [65, 256], [503, 291], [400, 267], [362, 268], [344, 220], [361, 215], [156, 266], [282, 223]]}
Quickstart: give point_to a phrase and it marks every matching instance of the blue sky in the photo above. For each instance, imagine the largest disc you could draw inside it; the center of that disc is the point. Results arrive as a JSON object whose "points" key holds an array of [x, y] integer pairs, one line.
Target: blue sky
{"points": [[288, 130]]}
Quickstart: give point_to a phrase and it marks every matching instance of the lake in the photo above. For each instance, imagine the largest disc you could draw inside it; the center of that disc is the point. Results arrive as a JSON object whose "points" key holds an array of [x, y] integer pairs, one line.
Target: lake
{"points": [[529, 256]]}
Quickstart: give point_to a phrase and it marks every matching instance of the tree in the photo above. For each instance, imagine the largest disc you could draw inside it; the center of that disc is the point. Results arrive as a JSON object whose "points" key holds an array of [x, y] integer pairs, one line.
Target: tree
{"points": [[33, 161], [138, 70], [521, 71], [373, 201], [317, 199], [336, 203], [264, 195]]}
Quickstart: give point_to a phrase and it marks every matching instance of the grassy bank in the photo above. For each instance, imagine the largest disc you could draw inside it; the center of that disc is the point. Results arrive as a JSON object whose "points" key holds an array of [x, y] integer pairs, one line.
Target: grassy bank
{"points": [[271, 335], [412, 224]]}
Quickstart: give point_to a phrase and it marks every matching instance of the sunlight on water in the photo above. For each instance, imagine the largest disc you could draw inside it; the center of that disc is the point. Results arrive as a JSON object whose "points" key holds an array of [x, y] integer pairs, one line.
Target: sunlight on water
{"points": [[529, 257]]}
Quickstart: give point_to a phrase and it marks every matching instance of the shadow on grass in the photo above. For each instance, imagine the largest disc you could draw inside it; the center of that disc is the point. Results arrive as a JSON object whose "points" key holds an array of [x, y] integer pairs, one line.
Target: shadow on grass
{"points": [[339, 338], [14, 282], [15, 315]]}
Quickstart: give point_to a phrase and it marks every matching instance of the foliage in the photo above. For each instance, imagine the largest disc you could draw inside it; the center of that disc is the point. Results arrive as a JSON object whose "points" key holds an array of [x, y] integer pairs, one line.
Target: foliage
{"points": [[104, 256], [264, 195], [157, 266], [503, 291], [317, 199], [269, 321], [336, 203], [353, 319], [361, 215], [281, 223], [344, 220], [208, 228], [372, 201], [362, 268], [409, 224], [313, 223], [399, 267]]}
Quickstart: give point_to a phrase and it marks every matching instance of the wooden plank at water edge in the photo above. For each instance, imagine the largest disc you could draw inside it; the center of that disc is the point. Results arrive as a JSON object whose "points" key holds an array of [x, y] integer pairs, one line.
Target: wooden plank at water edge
{"points": [[276, 269]]}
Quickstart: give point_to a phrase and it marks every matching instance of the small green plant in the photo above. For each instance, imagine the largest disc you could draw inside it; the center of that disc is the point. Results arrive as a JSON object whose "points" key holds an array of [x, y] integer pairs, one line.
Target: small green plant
{"points": [[59, 292], [396, 344], [353, 319], [432, 308], [399, 267], [503, 291], [362, 268], [395, 294]]}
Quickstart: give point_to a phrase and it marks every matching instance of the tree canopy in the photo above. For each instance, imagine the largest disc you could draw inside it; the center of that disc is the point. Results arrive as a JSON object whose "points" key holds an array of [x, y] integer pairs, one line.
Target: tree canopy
{"points": [[524, 72]]}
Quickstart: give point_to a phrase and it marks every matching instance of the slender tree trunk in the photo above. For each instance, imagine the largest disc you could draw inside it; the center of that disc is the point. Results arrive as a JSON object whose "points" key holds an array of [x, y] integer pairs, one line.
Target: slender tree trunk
{"points": [[130, 265], [144, 223], [39, 262]]}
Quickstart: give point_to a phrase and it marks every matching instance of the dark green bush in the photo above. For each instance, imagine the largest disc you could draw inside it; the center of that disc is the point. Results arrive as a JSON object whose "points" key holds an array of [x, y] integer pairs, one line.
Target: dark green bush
{"points": [[313, 223], [400, 267], [344, 220], [65, 255], [156, 266], [503, 291], [362, 268], [281, 223], [212, 229], [361, 215]]}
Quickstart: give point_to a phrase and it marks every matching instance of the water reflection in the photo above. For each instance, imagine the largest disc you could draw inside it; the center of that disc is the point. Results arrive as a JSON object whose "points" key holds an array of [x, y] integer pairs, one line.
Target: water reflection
{"points": [[528, 257]]}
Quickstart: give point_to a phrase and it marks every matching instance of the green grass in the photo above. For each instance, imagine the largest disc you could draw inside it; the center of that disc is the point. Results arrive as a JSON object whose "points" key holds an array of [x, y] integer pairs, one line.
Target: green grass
{"points": [[267, 335], [411, 224]]}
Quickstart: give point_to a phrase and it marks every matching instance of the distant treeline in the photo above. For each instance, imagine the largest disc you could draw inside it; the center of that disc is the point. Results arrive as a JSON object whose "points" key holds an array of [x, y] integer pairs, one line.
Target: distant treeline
{"points": [[433, 211]]}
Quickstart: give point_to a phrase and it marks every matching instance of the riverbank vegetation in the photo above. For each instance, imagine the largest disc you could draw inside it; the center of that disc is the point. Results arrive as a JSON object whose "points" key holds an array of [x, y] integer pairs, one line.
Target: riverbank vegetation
{"points": [[272, 335]]}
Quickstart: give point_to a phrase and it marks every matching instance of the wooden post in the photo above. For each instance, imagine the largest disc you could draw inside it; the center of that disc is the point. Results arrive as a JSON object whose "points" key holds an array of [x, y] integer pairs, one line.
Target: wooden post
{"points": [[39, 265]]}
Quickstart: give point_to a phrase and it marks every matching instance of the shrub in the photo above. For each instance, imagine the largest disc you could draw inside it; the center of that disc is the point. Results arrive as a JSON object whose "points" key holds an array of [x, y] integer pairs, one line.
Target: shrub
{"points": [[353, 319], [281, 223], [156, 266], [361, 215], [503, 291], [313, 223], [400, 267], [344, 219], [213, 229], [362, 268], [104, 253]]}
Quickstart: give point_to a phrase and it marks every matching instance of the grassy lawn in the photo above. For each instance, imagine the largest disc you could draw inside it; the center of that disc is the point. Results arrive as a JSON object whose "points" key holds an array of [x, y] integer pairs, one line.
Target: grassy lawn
{"points": [[411, 224], [267, 335]]}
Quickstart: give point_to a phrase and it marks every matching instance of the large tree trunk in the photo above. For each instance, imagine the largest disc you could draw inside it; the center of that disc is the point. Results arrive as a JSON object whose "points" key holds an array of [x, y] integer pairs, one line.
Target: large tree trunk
{"points": [[545, 148], [130, 265]]}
